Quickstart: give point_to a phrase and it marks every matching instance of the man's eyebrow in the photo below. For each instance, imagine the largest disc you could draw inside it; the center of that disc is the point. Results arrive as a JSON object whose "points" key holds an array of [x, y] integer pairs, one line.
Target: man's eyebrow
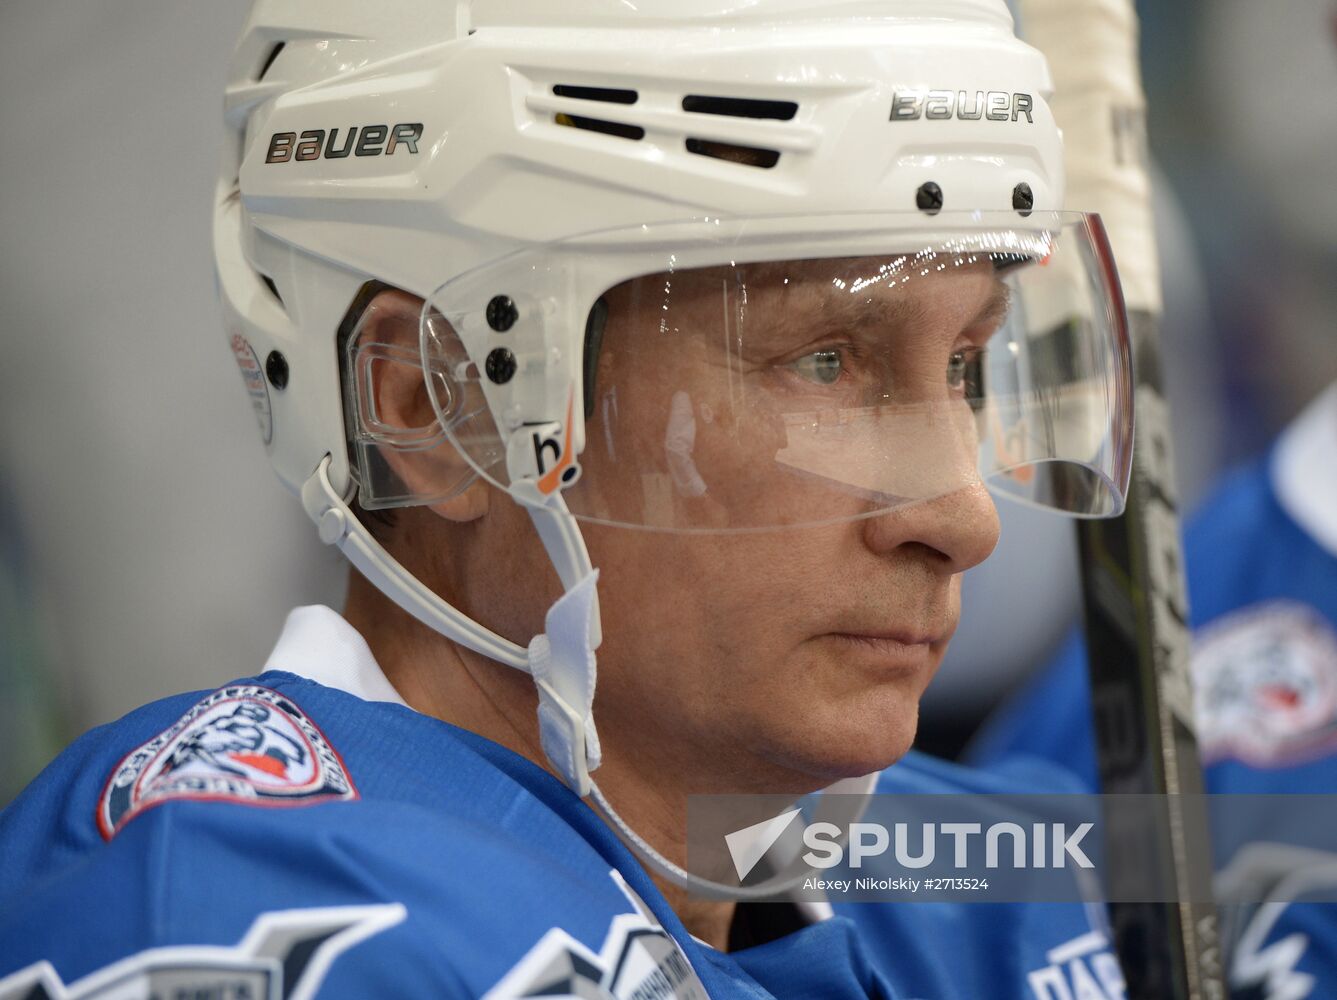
{"points": [[878, 310], [864, 310], [996, 309]]}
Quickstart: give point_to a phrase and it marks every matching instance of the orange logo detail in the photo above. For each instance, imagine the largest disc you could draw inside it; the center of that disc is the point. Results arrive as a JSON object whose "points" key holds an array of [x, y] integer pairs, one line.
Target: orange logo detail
{"points": [[552, 480], [261, 762]]}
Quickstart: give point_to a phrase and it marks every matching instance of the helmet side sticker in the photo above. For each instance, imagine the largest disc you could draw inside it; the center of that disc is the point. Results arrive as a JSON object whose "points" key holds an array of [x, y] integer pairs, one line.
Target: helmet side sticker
{"points": [[563, 471], [996, 105], [244, 744], [254, 376], [366, 140]]}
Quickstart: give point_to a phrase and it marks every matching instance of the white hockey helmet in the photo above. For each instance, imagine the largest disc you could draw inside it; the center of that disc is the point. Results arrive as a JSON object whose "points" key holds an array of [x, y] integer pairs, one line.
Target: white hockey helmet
{"points": [[674, 258]]}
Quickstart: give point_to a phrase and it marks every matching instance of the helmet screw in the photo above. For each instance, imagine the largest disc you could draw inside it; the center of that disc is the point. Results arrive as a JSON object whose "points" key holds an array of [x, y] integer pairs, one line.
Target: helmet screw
{"points": [[929, 198], [500, 365], [276, 367], [501, 313], [1023, 198]]}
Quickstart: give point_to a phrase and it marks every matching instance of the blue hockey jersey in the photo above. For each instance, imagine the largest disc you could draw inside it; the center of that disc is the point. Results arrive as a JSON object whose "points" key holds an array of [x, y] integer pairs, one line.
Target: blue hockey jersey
{"points": [[304, 833], [1261, 563]]}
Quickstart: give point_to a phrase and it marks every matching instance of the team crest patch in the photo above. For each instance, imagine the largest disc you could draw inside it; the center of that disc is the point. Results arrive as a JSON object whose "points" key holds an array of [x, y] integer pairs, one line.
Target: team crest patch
{"points": [[240, 744], [639, 960], [1266, 686]]}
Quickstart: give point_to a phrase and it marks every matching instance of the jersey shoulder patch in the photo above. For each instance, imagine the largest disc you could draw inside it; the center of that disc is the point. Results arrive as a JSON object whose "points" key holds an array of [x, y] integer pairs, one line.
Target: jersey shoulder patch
{"points": [[242, 743]]}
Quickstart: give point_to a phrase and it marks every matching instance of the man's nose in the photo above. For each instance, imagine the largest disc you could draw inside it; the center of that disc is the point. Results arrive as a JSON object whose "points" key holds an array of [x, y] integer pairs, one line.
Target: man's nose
{"points": [[961, 527]]}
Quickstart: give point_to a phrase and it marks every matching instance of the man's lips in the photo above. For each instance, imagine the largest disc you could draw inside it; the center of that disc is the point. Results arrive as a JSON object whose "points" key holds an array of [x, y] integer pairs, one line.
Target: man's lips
{"points": [[900, 647], [893, 638], [927, 634]]}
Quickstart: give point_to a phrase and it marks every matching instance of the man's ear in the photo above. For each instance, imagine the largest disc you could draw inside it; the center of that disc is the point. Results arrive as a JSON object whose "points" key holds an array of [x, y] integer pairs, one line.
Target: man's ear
{"points": [[393, 399]]}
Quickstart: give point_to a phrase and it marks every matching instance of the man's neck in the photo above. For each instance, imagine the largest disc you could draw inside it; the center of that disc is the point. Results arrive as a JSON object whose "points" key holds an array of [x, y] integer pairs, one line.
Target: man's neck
{"points": [[438, 678]]}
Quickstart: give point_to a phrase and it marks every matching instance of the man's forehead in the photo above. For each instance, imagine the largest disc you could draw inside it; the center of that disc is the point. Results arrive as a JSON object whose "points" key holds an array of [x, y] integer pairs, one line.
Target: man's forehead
{"points": [[913, 284], [906, 287], [878, 267]]}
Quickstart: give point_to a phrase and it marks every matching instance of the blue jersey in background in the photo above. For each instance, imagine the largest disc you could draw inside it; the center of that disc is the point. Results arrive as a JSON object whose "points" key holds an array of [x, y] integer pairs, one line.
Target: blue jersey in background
{"points": [[1261, 564]]}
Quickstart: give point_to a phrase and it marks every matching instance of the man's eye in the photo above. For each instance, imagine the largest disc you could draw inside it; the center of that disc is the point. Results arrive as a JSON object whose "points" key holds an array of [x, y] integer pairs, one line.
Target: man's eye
{"points": [[822, 367], [965, 373], [957, 365]]}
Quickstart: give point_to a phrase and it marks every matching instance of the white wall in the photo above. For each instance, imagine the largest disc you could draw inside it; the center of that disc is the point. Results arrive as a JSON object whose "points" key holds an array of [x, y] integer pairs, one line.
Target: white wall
{"points": [[163, 553]]}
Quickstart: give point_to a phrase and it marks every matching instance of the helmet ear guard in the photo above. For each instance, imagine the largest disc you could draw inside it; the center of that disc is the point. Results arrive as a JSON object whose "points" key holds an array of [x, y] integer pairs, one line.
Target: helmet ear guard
{"points": [[398, 447], [504, 377]]}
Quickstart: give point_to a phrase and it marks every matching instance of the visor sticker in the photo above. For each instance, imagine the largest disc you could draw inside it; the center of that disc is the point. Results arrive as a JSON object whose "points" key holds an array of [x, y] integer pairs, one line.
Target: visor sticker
{"points": [[679, 441], [254, 376], [1266, 686], [245, 744]]}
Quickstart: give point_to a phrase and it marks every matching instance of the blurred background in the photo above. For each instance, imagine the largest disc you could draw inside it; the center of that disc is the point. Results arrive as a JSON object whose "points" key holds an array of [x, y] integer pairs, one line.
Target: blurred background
{"points": [[145, 546]]}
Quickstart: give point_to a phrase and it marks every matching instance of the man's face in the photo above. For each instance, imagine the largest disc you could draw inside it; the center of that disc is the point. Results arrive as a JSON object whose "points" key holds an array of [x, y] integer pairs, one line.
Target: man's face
{"points": [[782, 400]]}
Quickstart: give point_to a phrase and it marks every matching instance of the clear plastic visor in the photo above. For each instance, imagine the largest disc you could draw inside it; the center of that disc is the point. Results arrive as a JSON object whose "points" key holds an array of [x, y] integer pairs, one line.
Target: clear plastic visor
{"points": [[775, 373]]}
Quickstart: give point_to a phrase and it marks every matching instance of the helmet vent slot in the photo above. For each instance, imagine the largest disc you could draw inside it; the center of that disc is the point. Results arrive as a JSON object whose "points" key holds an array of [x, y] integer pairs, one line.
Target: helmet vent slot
{"points": [[273, 289], [608, 95], [618, 129], [749, 156], [269, 60], [740, 107]]}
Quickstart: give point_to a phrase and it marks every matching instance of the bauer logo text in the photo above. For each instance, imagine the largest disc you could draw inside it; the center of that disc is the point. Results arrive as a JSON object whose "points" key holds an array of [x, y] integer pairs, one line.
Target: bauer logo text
{"points": [[337, 143], [965, 105]]}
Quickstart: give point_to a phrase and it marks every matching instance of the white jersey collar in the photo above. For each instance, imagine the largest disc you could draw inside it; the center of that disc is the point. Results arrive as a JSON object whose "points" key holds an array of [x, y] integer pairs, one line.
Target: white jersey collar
{"points": [[319, 645], [1304, 469]]}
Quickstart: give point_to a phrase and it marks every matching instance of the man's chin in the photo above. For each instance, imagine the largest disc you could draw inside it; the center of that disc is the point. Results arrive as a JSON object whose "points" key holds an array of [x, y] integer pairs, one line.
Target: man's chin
{"points": [[870, 761], [876, 732], [850, 745]]}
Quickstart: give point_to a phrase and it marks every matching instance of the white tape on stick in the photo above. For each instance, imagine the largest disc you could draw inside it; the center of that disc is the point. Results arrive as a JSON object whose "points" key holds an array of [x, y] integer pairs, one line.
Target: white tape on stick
{"points": [[1091, 46]]}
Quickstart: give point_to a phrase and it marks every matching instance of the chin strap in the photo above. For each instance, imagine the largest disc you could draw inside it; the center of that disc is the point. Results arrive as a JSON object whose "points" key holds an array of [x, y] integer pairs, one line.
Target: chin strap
{"points": [[561, 660], [339, 526], [679, 876]]}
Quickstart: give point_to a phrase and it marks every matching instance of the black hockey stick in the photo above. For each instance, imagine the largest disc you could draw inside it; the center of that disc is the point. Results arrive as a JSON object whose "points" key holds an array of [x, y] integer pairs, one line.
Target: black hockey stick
{"points": [[1136, 610]]}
